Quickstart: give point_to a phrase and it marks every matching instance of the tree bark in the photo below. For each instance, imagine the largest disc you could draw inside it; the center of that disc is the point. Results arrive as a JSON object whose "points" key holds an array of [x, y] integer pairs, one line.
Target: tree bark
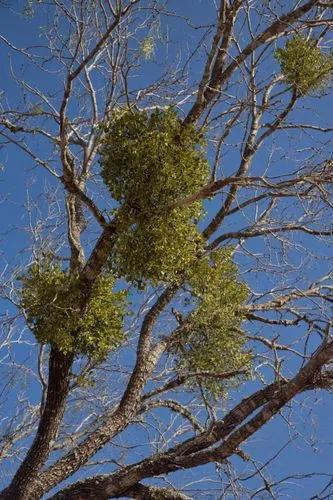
{"points": [[58, 385]]}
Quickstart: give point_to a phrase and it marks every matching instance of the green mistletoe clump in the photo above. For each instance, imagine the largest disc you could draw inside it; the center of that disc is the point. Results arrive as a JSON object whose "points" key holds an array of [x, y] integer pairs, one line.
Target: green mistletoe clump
{"points": [[150, 162], [304, 65], [212, 342], [59, 314], [159, 249]]}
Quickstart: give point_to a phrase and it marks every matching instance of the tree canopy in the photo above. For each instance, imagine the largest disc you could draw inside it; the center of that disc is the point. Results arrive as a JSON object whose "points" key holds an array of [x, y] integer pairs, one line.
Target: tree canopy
{"points": [[166, 266]]}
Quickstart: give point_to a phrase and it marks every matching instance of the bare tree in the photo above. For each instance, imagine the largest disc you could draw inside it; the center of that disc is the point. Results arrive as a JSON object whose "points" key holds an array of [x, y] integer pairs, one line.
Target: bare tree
{"points": [[71, 424]]}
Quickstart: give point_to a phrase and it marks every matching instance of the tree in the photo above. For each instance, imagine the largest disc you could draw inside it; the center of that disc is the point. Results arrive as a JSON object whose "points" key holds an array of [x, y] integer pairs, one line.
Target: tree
{"points": [[173, 291]]}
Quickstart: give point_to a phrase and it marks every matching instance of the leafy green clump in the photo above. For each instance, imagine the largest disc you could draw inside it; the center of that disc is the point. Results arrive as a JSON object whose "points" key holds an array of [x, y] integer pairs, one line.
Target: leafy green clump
{"points": [[304, 65], [213, 342], [149, 163], [148, 47], [156, 493], [159, 249], [59, 314]]}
